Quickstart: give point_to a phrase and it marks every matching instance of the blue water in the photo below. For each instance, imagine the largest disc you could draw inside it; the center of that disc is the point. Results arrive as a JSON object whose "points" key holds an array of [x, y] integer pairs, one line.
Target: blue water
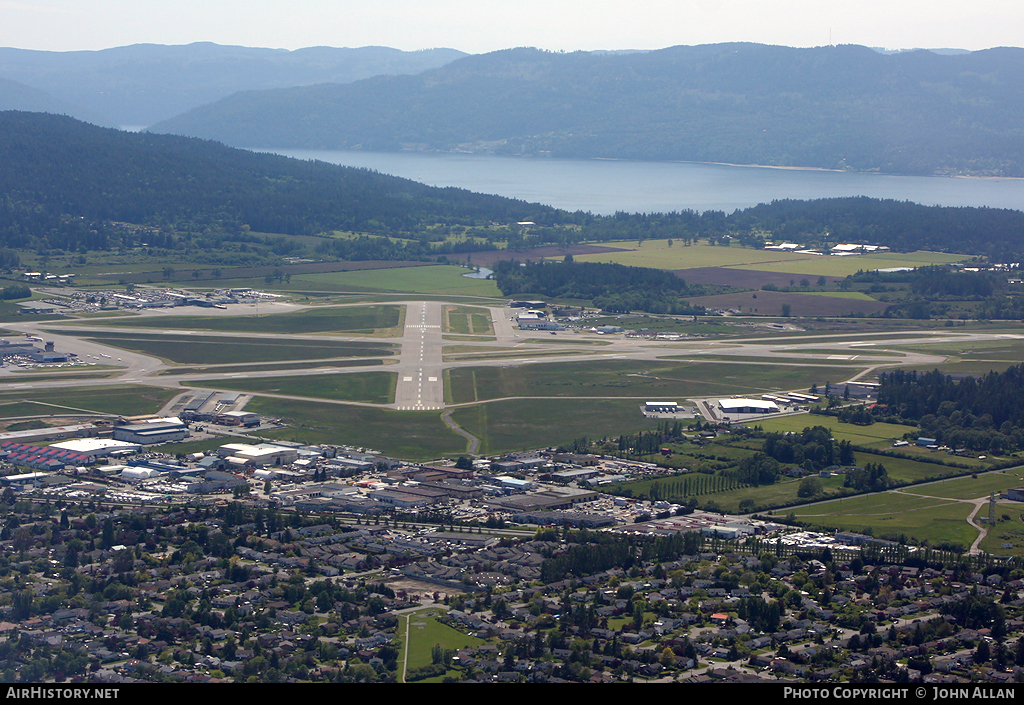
{"points": [[607, 186]]}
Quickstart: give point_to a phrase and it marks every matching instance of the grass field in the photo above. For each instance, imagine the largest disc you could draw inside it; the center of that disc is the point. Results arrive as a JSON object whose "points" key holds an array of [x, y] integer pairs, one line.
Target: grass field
{"points": [[652, 379], [363, 387], [425, 631], [211, 350], [971, 487], [126, 399], [350, 320], [521, 424], [413, 435], [877, 435], [1006, 538], [444, 280], [936, 520], [466, 320], [270, 366]]}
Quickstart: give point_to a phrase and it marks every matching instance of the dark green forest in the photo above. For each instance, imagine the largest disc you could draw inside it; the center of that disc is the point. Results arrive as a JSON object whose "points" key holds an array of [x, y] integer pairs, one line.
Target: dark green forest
{"points": [[978, 413], [612, 287], [72, 187]]}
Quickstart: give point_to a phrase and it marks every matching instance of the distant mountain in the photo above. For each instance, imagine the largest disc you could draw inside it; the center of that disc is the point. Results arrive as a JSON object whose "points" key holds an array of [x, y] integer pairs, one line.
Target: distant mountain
{"points": [[142, 84], [18, 96], [837, 107]]}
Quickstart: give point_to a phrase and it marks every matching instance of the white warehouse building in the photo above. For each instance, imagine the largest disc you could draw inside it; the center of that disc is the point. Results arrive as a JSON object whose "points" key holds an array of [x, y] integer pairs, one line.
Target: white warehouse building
{"points": [[747, 406]]}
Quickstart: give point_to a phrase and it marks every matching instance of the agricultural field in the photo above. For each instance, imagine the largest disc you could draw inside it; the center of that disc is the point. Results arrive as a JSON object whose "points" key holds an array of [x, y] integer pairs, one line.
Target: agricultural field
{"points": [[814, 266], [361, 387], [653, 379], [381, 320], [660, 255], [771, 303], [466, 320]]}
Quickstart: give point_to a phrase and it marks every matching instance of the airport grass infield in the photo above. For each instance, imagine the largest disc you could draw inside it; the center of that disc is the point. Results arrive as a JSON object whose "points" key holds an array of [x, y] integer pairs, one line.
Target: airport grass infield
{"points": [[218, 350], [442, 280], [362, 387], [350, 320], [411, 435], [466, 320], [653, 379]]}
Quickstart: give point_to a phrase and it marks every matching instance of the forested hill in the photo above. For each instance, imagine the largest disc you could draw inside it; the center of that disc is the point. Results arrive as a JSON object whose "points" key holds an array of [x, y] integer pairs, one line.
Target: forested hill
{"points": [[53, 166], [832, 107], [145, 83]]}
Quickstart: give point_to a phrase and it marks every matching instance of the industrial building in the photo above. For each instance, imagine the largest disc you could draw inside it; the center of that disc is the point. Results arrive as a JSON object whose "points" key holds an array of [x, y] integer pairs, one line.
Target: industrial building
{"points": [[747, 406], [153, 431], [259, 455], [661, 407], [98, 447]]}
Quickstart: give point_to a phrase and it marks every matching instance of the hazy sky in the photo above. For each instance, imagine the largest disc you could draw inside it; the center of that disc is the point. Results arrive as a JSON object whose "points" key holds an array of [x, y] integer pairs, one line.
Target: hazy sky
{"points": [[484, 25]]}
